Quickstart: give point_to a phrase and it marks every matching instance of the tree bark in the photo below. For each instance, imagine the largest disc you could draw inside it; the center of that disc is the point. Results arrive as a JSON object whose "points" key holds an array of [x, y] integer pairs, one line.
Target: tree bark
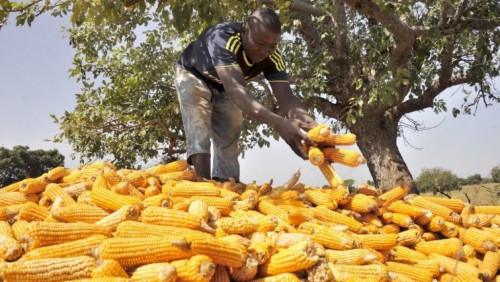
{"points": [[377, 141]]}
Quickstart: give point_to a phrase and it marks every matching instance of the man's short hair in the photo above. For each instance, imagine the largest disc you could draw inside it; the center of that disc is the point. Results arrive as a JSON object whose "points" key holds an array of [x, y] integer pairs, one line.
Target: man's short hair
{"points": [[267, 17]]}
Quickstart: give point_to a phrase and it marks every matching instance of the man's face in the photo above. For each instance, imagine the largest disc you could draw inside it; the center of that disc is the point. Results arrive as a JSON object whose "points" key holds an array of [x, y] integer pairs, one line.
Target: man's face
{"points": [[259, 42]]}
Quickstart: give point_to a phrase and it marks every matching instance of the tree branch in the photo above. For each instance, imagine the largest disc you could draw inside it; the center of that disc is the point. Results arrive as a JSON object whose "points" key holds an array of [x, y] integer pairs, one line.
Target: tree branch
{"points": [[330, 109], [427, 98], [340, 24]]}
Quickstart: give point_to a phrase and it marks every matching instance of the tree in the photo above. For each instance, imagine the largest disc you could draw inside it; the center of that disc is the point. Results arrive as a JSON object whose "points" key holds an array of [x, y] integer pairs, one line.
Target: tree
{"points": [[438, 180], [365, 65], [20, 163], [473, 179], [495, 174]]}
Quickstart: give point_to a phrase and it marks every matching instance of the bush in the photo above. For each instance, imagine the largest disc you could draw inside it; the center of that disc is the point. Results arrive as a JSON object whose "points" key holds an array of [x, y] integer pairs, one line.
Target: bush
{"points": [[495, 174], [437, 180]]}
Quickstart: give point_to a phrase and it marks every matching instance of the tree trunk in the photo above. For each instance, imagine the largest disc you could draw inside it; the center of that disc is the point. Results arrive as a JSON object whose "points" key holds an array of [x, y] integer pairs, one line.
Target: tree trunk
{"points": [[377, 140]]}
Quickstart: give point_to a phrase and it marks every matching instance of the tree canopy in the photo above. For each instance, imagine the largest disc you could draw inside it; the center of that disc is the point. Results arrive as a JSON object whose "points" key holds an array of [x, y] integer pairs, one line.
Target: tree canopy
{"points": [[364, 65], [438, 180], [21, 163]]}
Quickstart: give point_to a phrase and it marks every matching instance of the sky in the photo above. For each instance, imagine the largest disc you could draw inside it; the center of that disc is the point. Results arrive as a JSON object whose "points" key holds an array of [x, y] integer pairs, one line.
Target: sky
{"points": [[35, 83]]}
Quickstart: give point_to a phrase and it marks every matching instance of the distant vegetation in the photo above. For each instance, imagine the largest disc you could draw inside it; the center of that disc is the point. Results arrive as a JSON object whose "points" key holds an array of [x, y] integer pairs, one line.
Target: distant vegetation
{"points": [[443, 181], [20, 163]]}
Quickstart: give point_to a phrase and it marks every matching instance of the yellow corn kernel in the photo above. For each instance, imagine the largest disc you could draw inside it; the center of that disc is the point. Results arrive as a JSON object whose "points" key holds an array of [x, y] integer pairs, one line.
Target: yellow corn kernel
{"points": [[130, 251], [325, 214], [199, 208], [225, 206], [328, 237], [171, 217], [32, 186], [33, 212], [220, 274], [79, 212], [362, 204], [44, 233], [132, 229], [450, 247], [343, 156], [340, 139], [319, 198], [220, 251], [284, 277], [331, 175], [489, 266], [319, 133], [316, 156], [410, 271], [369, 272], [396, 193], [456, 205], [156, 272], [54, 190], [454, 266], [174, 166], [354, 256], [81, 247], [246, 272], [409, 237], [379, 242], [51, 269], [405, 254], [294, 258], [241, 225], [108, 268], [482, 241], [110, 200], [488, 209], [111, 221], [12, 198]]}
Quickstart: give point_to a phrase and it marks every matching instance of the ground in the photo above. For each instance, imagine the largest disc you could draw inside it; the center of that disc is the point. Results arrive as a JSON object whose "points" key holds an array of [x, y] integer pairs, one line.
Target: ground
{"points": [[480, 194]]}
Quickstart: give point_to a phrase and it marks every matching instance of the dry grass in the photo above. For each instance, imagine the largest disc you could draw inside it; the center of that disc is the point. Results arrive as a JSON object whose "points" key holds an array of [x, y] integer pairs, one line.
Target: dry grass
{"points": [[480, 194]]}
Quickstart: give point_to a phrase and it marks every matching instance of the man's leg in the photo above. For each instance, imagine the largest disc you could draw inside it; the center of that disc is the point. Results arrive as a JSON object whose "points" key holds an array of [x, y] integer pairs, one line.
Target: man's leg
{"points": [[196, 111], [201, 163], [227, 122]]}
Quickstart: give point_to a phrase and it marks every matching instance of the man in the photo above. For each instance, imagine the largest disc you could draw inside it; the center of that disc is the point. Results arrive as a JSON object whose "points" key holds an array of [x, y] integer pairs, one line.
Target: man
{"points": [[210, 81]]}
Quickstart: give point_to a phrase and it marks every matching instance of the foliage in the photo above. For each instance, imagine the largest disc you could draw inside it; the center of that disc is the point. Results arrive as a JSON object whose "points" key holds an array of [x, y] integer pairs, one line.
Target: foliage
{"points": [[358, 63], [20, 163], [437, 180], [495, 174], [473, 179]]}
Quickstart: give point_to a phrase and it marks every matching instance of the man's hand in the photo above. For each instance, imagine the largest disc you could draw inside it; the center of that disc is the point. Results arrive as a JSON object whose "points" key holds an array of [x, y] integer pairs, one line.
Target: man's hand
{"points": [[290, 131]]}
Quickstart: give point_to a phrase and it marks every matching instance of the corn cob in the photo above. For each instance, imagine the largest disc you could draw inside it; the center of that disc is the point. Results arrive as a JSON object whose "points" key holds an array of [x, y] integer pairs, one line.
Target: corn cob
{"points": [[237, 225], [377, 241], [159, 200], [343, 156], [268, 208], [33, 212], [490, 265], [340, 139], [456, 205], [419, 275], [109, 200], [10, 248], [171, 217], [325, 214], [389, 229], [126, 188], [132, 229], [111, 221], [370, 272], [401, 220], [319, 133], [32, 186], [437, 224], [225, 206], [155, 272], [52, 269], [261, 250], [405, 254], [45, 233], [199, 208], [175, 166], [481, 241], [20, 227], [54, 190], [409, 237], [449, 230], [152, 191], [450, 247], [362, 204], [108, 268], [79, 213], [12, 198], [353, 256], [13, 187], [328, 237], [430, 236], [81, 247], [130, 251], [454, 266], [284, 277], [395, 194], [319, 198], [435, 208], [188, 174], [316, 156], [330, 175], [488, 209], [245, 273], [294, 258], [220, 274], [220, 251]]}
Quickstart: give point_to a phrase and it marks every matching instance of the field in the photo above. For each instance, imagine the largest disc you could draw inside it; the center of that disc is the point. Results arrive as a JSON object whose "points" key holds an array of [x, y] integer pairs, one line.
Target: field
{"points": [[480, 194]]}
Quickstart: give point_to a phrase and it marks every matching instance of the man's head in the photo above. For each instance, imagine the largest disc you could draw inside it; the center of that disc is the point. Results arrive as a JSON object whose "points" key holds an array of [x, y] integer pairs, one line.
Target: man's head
{"points": [[261, 34]]}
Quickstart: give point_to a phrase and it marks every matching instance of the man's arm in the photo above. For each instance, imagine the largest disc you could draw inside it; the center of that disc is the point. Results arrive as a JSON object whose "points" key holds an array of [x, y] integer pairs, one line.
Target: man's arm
{"points": [[289, 129], [291, 105]]}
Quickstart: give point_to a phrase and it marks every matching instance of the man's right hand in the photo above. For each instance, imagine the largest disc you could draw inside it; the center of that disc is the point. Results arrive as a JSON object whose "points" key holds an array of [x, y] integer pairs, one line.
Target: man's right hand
{"points": [[290, 131]]}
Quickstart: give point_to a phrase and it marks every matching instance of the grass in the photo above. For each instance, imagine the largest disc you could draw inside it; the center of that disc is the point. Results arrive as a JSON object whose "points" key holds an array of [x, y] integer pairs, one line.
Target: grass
{"points": [[480, 194]]}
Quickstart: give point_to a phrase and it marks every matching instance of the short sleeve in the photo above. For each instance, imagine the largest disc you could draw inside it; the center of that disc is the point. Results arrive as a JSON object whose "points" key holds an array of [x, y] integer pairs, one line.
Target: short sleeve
{"points": [[220, 45], [276, 72]]}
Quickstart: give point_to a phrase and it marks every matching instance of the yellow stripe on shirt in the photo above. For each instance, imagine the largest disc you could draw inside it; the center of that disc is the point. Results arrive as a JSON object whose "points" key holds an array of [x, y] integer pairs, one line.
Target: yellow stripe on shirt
{"points": [[233, 43], [278, 61]]}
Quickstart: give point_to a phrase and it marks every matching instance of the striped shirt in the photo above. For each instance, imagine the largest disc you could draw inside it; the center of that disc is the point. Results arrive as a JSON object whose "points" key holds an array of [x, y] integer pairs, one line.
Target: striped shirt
{"points": [[220, 46]]}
